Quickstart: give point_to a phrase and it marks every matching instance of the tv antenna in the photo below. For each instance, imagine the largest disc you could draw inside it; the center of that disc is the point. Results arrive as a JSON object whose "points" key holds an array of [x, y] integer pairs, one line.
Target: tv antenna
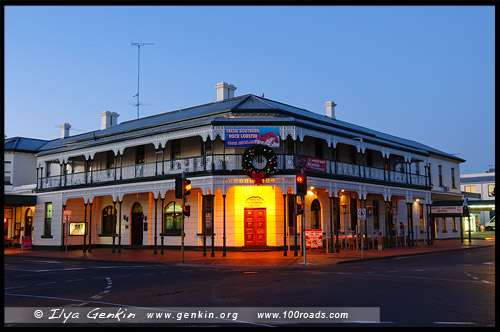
{"points": [[138, 70]]}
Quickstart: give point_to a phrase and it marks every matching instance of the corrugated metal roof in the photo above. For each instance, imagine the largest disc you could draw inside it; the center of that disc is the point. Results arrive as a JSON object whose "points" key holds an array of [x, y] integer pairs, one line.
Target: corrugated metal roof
{"points": [[23, 144], [210, 113]]}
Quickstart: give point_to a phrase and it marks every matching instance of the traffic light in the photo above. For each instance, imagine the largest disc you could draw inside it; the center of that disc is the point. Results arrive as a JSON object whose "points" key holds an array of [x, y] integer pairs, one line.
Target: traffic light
{"points": [[300, 209], [301, 183], [186, 210], [187, 187], [179, 187]]}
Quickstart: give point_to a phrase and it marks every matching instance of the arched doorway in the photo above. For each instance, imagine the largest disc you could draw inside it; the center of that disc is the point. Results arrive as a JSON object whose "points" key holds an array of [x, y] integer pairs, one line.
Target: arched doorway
{"points": [[28, 222], [315, 215], [136, 225]]}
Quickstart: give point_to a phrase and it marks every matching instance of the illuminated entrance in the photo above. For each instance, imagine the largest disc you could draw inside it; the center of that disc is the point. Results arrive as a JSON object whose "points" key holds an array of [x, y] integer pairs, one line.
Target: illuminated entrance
{"points": [[255, 227]]}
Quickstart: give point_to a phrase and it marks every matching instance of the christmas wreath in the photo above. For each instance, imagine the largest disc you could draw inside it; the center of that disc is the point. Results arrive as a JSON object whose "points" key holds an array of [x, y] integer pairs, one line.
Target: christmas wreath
{"points": [[259, 162]]}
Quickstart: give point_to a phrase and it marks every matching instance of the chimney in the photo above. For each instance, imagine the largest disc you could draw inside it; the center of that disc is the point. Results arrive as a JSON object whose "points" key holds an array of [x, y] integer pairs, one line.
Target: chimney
{"points": [[108, 119], [65, 130], [330, 109], [224, 91]]}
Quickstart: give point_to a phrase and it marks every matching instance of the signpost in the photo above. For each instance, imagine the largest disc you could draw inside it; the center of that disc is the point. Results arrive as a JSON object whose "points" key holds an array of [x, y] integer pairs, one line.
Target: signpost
{"points": [[361, 216]]}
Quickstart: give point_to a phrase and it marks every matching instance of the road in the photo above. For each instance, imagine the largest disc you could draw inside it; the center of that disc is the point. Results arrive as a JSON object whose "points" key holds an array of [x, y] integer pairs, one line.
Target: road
{"points": [[455, 288]]}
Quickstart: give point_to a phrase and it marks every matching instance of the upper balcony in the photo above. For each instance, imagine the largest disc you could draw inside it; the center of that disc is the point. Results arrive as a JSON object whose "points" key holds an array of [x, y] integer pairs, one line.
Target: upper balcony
{"points": [[225, 163]]}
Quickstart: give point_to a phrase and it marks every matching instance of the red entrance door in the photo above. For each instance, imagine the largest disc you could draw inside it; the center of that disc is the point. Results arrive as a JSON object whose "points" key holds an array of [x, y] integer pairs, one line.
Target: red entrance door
{"points": [[255, 227]]}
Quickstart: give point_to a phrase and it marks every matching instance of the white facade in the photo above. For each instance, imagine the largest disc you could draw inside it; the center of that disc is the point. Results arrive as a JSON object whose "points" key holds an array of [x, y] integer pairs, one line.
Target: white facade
{"points": [[132, 171]]}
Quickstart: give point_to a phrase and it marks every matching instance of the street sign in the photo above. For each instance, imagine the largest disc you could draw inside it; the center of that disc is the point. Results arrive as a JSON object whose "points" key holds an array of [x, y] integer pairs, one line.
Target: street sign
{"points": [[362, 214]]}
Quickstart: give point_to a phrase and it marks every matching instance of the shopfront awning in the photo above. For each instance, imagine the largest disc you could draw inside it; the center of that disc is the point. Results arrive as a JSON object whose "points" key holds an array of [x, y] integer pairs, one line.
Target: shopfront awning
{"points": [[482, 205], [449, 208], [19, 200]]}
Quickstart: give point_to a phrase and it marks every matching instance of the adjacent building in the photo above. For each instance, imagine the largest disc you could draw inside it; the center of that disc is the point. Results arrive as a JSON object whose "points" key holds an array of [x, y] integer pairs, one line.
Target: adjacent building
{"points": [[479, 188], [116, 186], [19, 187]]}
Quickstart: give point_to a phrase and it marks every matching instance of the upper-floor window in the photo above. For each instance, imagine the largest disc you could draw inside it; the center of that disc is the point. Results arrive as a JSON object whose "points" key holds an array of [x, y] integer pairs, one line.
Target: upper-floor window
{"points": [[491, 190], [176, 149], [7, 172], [140, 155], [470, 189], [318, 148], [453, 178], [440, 174]]}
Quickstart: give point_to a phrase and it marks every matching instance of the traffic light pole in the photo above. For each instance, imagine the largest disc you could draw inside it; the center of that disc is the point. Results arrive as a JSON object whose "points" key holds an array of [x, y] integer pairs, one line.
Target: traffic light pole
{"points": [[182, 222], [303, 229], [182, 229]]}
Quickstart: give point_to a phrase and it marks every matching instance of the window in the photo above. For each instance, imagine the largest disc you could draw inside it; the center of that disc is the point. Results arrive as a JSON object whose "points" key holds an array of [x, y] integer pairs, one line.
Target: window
{"points": [[47, 230], [208, 146], [7, 172], [470, 189], [421, 210], [176, 149], [454, 219], [47, 169], [139, 154], [440, 171], [443, 223], [108, 215], [491, 190], [315, 215], [289, 145], [318, 148], [110, 160], [453, 178], [207, 226], [172, 219]]}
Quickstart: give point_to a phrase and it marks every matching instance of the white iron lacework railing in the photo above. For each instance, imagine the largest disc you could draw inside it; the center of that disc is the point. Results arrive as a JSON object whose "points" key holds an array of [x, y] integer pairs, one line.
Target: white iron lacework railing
{"points": [[218, 162]]}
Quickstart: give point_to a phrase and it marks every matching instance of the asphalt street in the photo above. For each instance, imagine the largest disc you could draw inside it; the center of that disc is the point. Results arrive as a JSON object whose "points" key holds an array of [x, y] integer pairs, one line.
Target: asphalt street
{"points": [[454, 288]]}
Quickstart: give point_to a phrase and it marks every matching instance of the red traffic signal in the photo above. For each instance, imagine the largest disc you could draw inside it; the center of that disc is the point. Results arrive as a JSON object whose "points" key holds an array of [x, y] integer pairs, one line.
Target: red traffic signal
{"points": [[301, 184], [186, 210], [300, 208]]}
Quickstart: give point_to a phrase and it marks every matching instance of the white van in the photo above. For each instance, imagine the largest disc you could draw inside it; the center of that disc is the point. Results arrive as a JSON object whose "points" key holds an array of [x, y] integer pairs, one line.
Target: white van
{"points": [[490, 225]]}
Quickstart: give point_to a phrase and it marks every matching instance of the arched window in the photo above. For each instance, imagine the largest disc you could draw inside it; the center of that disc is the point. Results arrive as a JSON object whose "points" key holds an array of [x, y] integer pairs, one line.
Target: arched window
{"points": [[107, 220], [172, 219], [315, 215]]}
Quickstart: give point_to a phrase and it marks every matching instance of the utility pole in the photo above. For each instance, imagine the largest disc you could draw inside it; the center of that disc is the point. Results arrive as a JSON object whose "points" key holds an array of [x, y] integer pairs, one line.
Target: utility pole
{"points": [[138, 70]]}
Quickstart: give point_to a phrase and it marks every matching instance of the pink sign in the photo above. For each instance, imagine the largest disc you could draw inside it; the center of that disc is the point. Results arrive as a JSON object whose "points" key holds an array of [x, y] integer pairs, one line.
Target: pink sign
{"points": [[314, 238]]}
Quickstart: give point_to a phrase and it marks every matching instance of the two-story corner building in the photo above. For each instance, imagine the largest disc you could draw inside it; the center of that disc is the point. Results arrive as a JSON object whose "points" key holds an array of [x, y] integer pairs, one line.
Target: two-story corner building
{"points": [[19, 187], [115, 186], [480, 190]]}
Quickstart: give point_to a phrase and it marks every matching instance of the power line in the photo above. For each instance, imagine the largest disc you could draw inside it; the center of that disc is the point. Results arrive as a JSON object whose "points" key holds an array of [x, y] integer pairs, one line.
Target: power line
{"points": [[138, 70]]}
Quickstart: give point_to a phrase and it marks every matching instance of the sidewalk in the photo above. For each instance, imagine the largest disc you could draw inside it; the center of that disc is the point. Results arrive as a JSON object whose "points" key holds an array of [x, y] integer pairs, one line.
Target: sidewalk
{"points": [[246, 259]]}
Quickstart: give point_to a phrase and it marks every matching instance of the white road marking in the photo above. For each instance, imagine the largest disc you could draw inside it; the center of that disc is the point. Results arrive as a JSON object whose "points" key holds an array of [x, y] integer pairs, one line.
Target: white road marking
{"points": [[455, 323]]}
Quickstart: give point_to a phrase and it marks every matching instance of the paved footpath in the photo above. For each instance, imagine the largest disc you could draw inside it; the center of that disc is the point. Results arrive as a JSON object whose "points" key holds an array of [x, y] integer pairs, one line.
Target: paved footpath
{"points": [[245, 259]]}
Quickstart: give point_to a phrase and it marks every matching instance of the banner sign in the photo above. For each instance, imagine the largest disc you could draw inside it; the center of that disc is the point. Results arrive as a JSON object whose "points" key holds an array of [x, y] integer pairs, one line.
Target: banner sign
{"points": [[245, 137], [446, 209], [313, 164], [314, 238]]}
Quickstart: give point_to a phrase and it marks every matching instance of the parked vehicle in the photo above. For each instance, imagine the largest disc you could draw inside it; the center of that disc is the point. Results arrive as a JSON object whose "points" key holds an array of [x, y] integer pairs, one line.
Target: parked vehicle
{"points": [[490, 225]]}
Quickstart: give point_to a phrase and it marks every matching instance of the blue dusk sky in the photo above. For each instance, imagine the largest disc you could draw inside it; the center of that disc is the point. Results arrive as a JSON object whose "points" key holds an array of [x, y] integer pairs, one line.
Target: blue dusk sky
{"points": [[424, 73]]}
